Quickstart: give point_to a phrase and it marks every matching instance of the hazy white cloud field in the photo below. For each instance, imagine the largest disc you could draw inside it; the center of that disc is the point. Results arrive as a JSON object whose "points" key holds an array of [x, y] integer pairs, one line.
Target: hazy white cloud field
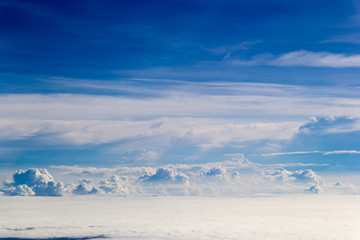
{"points": [[296, 217]]}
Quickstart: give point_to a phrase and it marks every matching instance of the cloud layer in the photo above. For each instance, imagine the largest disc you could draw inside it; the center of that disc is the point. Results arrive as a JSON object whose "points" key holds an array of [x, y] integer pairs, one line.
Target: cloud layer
{"points": [[196, 117], [232, 177]]}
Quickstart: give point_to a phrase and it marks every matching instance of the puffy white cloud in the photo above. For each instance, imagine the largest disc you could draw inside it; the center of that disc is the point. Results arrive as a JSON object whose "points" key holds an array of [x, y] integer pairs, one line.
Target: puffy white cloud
{"points": [[282, 175], [33, 181], [305, 176], [32, 177], [314, 189], [216, 171], [85, 187], [165, 175], [114, 184], [299, 176], [19, 190], [237, 176]]}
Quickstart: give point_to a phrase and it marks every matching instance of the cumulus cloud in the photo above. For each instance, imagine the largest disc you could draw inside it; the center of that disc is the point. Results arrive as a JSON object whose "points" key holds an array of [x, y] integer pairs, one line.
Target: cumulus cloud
{"points": [[32, 177], [19, 190], [85, 187], [299, 176], [230, 177], [305, 176], [218, 171], [165, 175], [33, 181], [114, 184], [314, 189]]}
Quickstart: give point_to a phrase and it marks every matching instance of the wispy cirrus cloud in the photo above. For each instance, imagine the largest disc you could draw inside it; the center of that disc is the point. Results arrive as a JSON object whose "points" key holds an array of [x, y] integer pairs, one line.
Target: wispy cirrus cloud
{"points": [[347, 38], [304, 58], [310, 152]]}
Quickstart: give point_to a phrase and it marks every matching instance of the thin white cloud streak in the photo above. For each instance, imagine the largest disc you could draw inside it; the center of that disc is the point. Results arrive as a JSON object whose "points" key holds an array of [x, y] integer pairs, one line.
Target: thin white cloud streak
{"points": [[309, 152], [342, 152], [254, 106], [287, 153], [161, 87], [204, 133], [306, 59], [227, 49]]}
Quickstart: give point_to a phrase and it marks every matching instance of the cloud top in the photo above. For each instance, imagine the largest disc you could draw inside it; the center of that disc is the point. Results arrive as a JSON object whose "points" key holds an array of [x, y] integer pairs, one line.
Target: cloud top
{"points": [[165, 175], [33, 181]]}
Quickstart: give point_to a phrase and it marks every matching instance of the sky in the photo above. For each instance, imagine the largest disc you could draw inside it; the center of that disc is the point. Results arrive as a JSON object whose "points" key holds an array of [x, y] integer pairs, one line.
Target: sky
{"points": [[188, 84]]}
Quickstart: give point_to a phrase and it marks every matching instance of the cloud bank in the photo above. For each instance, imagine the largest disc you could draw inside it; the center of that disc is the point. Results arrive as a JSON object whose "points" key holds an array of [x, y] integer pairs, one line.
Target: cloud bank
{"points": [[226, 178]]}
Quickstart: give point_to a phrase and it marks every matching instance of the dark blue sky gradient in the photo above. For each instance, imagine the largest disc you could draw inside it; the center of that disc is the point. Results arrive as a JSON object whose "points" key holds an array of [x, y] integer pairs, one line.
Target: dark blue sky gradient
{"points": [[110, 39]]}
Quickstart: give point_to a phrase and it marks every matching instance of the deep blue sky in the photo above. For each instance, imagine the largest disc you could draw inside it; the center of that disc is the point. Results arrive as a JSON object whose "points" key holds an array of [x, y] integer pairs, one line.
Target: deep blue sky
{"points": [[112, 82], [113, 39]]}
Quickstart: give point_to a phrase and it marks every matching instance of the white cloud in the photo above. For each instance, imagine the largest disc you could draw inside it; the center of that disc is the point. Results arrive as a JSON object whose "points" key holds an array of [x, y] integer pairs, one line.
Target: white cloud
{"points": [[299, 176], [305, 58], [225, 178], [288, 153], [348, 38], [115, 185], [317, 59], [314, 189], [165, 175], [202, 132], [230, 48], [216, 171], [18, 190], [148, 155], [310, 152], [33, 181], [85, 187], [257, 218], [204, 115], [342, 152]]}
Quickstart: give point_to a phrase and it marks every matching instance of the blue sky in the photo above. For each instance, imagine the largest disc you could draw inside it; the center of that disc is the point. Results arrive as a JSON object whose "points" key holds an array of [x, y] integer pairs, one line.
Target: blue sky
{"points": [[109, 83]]}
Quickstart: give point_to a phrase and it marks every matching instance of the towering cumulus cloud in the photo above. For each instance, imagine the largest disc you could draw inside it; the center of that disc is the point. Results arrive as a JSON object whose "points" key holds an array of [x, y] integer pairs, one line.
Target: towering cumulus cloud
{"points": [[165, 175], [38, 182]]}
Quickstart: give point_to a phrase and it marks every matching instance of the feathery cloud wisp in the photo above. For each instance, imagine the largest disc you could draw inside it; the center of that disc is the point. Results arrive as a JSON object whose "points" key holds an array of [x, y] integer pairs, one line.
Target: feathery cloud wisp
{"points": [[304, 58]]}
